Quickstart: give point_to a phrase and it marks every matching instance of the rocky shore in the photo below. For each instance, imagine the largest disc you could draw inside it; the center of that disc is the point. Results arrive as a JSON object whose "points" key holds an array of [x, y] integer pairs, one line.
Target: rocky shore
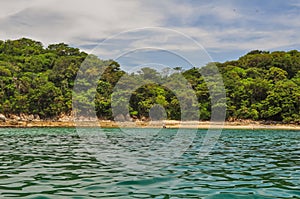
{"points": [[27, 121]]}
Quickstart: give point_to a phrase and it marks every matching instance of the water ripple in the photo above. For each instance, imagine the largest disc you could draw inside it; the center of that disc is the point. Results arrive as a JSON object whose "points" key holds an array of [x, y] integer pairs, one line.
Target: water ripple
{"points": [[51, 163]]}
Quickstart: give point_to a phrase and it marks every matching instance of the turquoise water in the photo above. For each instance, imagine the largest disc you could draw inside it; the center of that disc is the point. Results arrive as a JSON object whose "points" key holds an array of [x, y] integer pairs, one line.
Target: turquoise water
{"points": [[53, 163]]}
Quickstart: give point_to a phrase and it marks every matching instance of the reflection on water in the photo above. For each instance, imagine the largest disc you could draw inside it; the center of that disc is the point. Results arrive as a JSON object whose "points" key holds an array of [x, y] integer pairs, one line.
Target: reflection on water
{"points": [[51, 163]]}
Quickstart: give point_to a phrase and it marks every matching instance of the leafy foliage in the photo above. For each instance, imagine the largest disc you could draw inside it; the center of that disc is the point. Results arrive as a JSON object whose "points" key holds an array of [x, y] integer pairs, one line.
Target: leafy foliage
{"points": [[39, 80]]}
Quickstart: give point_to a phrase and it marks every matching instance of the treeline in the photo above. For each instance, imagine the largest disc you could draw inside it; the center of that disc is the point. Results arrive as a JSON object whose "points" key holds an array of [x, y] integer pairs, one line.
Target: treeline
{"points": [[39, 80]]}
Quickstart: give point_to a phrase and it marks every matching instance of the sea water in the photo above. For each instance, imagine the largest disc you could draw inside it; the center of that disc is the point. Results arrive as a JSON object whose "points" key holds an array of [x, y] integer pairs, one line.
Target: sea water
{"points": [[58, 163]]}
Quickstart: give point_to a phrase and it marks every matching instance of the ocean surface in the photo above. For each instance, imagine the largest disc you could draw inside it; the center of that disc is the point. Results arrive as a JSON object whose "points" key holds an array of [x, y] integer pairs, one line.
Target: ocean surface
{"points": [[62, 163]]}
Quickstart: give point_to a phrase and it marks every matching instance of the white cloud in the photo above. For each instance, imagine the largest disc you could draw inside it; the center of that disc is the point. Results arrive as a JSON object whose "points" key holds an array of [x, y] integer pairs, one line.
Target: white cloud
{"points": [[217, 25], [70, 20], [14, 6]]}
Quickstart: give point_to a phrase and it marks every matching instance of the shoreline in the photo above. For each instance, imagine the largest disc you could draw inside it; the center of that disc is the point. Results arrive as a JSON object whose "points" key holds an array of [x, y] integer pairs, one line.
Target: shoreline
{"points": [[249, 125]]}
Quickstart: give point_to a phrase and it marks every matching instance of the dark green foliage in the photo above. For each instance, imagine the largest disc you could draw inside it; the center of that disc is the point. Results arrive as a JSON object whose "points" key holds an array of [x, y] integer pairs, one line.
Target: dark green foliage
{"points": [[263, 86], [36, 80]]}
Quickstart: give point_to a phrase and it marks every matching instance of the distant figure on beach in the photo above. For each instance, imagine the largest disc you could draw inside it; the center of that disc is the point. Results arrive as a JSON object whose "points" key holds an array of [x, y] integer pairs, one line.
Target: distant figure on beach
{"points": [[164, 125]]}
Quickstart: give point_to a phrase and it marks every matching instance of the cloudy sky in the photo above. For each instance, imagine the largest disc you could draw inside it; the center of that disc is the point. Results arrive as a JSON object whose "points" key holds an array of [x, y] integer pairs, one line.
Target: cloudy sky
{"points": [[225, 29]]}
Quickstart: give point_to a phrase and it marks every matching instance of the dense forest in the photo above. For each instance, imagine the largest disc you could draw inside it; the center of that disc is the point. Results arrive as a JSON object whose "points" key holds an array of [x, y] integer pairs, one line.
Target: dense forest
{"points": [[39, 80]]}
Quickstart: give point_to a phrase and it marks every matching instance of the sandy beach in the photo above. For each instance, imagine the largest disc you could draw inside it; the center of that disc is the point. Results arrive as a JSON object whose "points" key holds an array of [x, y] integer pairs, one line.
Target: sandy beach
{"points": [[151, 124]]}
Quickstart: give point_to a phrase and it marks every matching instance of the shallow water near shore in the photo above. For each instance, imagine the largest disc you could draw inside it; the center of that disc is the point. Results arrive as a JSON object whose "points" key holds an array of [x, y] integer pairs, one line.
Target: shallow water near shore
{"points": [[53, 163]]}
